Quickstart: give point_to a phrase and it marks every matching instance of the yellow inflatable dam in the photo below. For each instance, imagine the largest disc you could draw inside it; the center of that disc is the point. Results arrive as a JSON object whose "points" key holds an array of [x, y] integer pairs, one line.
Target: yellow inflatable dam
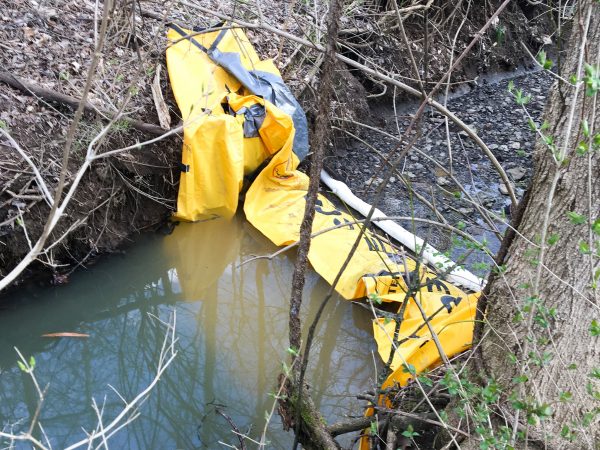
{"points": [[239, 116]]}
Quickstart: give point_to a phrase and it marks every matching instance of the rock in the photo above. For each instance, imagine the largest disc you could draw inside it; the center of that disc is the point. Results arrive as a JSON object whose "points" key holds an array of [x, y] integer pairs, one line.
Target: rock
{"points": [[466, 211], [502, 188], [515, 145], [493, 146], [443, 181], [517, 173], [463, 133]]}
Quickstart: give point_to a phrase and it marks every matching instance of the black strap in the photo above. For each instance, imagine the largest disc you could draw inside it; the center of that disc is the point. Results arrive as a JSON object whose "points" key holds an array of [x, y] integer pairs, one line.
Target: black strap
{"points": [[189, 38], [210, 27], [184, 167], [218, 40]]}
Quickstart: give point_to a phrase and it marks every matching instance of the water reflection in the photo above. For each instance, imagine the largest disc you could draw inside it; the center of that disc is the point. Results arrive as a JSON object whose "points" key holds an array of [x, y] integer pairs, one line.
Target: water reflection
{"points": [[232, 328]]}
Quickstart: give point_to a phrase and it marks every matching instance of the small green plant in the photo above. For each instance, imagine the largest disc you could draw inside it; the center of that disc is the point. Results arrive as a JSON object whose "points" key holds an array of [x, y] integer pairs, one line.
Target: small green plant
{"points": [[591, 79], [410, 432], [27, 367], [375, 298], [500, 34], [544, 61]]}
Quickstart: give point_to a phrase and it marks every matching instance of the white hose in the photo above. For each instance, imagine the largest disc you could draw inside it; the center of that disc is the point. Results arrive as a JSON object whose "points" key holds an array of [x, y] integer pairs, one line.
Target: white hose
{"points": [[429, 254]]}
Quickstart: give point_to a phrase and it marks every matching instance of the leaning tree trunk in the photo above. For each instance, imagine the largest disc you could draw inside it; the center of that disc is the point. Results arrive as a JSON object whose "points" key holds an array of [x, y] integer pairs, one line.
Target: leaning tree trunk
{"points": [[540, 342]]}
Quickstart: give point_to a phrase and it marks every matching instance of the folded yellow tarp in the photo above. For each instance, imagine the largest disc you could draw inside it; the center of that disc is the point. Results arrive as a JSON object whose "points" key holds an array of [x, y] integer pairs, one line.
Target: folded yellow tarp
{"points": [[235, 119]]}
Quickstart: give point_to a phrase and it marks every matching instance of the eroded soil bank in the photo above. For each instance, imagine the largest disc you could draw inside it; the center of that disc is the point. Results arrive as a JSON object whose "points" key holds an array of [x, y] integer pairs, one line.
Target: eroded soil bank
{"points": [[50, 46]]}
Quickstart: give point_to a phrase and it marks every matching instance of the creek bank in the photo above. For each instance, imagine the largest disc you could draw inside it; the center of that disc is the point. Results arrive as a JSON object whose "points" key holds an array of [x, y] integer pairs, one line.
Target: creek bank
{"points": [[489, 109]]}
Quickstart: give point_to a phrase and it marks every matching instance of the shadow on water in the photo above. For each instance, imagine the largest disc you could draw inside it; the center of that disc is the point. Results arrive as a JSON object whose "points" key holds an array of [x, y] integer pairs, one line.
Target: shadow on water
{"points": [[232, 330]]}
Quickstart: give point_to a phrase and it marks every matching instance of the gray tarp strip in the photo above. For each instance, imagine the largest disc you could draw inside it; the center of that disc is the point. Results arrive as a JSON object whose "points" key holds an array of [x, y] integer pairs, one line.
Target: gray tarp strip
{"points": [[271, 88], [254, 116]]}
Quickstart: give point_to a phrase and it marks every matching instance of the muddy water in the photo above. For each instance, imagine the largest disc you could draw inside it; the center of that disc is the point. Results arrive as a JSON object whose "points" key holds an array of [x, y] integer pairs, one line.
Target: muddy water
{"points": [[232, 330]]}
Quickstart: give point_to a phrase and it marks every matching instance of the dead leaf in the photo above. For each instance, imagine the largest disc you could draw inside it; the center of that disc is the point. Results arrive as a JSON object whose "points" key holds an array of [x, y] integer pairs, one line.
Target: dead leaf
{"points": [[66, 334]]}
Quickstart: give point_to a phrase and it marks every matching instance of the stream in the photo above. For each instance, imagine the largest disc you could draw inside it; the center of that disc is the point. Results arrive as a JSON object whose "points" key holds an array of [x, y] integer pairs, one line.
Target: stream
{"points": [[232, 337]]}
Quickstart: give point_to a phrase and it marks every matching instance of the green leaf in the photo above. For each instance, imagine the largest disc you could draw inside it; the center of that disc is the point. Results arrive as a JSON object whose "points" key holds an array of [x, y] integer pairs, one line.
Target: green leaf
{"points": [[596, 226], [565, 396], [425, 380], [32, 362], [541, 57], [409, 368], [521, 99], [582, 148], [591, 79], [373, 428], [374, 297], [567, 433], [575, 218], [22, 366], [584, 248], [588, 417], [585, 128], [292, 351], [520, 379], [511, 86], [545, 410], [544, 61], [595, 328], [595, 373], [410, 432], [553, 239]]}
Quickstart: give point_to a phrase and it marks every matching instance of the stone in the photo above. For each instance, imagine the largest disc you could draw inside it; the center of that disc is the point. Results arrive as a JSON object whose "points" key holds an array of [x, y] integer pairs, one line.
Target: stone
{"points": [[502, 188], [517, 173], [443, 181], [515, 145]]}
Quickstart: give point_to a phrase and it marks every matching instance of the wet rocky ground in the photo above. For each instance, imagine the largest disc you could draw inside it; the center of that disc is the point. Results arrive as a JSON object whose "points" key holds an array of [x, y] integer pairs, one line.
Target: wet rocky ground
{"points": [[441, 159]]}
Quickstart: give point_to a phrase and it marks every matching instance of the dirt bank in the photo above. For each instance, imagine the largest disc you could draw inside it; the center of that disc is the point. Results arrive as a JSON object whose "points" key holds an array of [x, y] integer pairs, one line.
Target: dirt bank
{"points": [[51, 45]]}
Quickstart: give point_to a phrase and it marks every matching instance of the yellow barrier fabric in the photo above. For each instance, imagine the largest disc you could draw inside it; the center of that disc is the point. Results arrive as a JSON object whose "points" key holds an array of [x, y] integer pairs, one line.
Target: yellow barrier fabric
{"points": [[229, 132], [220, 146]]}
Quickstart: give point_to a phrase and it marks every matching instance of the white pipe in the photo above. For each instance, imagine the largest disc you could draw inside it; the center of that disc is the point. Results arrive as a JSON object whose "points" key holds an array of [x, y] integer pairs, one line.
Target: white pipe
{"points": [[429, 254]]}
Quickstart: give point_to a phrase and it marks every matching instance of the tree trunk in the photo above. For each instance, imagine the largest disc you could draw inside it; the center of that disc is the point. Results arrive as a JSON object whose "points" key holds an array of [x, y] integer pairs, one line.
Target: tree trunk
{"points": [[541, 307]]}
